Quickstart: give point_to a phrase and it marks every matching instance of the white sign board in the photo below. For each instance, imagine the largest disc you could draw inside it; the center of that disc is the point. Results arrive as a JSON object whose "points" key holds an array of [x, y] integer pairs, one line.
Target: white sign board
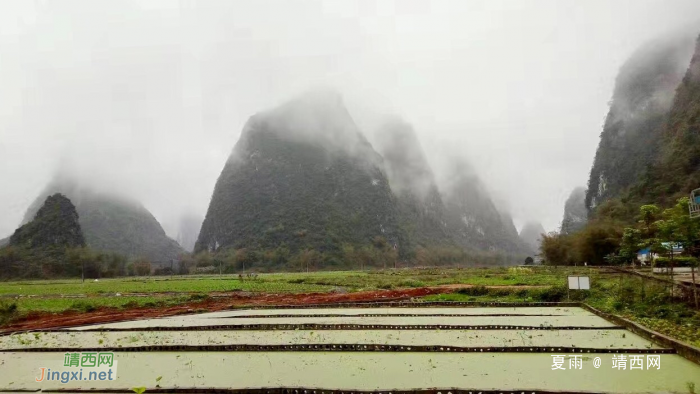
{"points": [[579, 283], [584, 283]]}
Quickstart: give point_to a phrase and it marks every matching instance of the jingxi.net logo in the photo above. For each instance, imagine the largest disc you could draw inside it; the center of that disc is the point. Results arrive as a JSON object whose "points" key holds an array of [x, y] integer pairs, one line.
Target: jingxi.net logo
{"points": [[81, 366]]}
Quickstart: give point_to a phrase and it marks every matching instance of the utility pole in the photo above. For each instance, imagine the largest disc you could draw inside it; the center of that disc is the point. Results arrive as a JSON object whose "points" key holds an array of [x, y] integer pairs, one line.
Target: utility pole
{"points": [[695, 286]]}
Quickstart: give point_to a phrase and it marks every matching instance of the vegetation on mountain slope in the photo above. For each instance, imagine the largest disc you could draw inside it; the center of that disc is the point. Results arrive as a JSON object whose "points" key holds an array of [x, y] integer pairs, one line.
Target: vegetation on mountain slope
{"points": [[473, 217], [113, 224], [44, 245], [656, 198], [303, 189], [301, 177], [631, 140], [55, 225], [421, 209]]}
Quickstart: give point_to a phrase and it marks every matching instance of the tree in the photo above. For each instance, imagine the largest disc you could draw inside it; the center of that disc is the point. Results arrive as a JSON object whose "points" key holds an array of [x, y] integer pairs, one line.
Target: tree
{"points": [[87, 261], [678, 228], [187, 264], [630, 244], [529, 260], [241, 256], [383, 251], [142, 267], [204, 259], [114, 265], [596, 241], [392, 256], [677, 225], [308, 258], [557, 249], [647, 215], [423, 257]]}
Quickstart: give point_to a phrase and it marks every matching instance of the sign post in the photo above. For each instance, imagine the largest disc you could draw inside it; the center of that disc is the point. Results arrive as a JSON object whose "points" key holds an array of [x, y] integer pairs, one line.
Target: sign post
{"points": [[578, 283]]}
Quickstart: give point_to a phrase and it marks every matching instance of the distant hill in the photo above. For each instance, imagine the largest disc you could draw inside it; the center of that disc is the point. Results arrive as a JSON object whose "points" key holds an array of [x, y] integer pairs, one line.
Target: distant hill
{"points": [[531, 235], [55, 225], [45, 246], [575, 212], [113, 224], [457, 213], [188, 231], [421, 209], [473, 218], [301, 176]]}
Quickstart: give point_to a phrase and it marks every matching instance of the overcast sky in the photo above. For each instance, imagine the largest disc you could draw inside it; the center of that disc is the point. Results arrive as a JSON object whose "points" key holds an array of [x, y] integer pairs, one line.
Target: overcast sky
{"points": [[149, 97]]}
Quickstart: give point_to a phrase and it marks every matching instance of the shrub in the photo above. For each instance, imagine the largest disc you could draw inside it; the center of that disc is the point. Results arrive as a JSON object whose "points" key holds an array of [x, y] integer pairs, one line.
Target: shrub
{"points": [[520, 270], [550, 294], [82, 306], [8, 311], [411, 283], [474, 291], [679, 261]]}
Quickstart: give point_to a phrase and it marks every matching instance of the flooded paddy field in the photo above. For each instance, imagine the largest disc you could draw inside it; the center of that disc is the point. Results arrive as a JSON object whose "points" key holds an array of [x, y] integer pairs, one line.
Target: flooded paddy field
{"points": [[410, 318], [409, 322], [414, 348], [603, 338], [362, 371]]}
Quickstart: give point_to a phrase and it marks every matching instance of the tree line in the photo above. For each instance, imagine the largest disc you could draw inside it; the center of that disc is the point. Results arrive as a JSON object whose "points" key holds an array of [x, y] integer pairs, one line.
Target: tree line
{"points": [[606, 240]]}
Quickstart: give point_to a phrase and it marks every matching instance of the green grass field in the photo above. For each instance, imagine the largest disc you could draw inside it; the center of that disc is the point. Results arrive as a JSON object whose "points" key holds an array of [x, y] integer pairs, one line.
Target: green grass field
{"points": [[178, 284], [291, 282], [70, 294], [389, 279], [649, 305]]}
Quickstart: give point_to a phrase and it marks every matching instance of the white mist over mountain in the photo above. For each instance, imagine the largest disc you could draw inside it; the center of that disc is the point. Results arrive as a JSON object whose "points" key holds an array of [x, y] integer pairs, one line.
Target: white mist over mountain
{"points": [[147, 98]]}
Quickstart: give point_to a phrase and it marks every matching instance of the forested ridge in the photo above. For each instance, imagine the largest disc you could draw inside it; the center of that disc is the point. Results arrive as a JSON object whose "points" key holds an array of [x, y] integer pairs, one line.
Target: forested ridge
{"points": [[656, 161]]}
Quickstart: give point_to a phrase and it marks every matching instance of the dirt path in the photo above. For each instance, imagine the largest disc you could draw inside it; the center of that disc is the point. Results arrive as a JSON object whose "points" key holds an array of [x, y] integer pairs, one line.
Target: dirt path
{"points": [[223, 301], [41, 320], [228, 294]]}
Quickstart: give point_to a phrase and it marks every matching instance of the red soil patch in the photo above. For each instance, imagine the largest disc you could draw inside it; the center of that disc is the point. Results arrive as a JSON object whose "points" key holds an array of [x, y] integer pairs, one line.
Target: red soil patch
{"points": [[44, 320]]}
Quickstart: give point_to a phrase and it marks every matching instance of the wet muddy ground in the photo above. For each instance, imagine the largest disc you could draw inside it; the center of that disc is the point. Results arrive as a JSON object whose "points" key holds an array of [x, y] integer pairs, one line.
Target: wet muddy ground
{"points": [[223, 302]]}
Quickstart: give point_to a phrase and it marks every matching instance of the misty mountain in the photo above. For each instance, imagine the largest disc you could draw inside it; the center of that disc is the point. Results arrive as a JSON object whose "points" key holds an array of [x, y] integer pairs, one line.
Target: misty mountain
{"points": [[575, 212], [422, 212], [301, 176], [632, 133], [111, 223], [531, 235], [458, 212], [188, 230], [472, 217], [677, 171], [55, 225]]}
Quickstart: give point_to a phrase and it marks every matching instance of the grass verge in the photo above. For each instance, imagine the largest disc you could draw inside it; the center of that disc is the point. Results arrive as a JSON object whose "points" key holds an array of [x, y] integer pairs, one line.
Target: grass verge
{"points": [[650, 305]]}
